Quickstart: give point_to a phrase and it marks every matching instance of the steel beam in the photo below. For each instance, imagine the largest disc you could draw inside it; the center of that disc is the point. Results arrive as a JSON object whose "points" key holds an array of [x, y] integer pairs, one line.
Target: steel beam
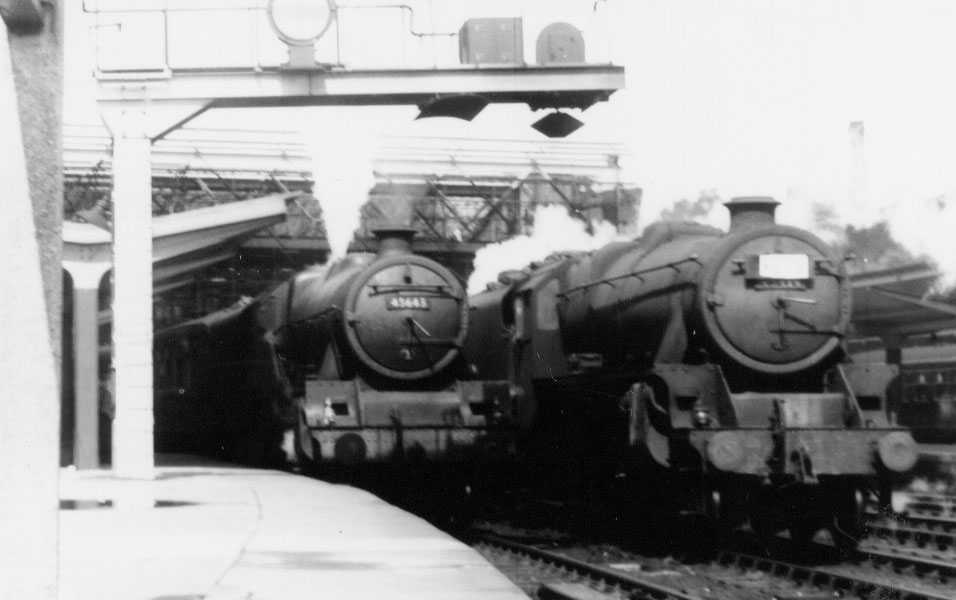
{"points": [[922, 303], [880, 329], [180, 267], [916, 272], [560, 86]]}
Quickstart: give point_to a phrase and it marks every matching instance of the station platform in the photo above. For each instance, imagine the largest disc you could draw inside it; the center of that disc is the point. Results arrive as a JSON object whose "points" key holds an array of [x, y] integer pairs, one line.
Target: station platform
{"points": [[220, 532]]}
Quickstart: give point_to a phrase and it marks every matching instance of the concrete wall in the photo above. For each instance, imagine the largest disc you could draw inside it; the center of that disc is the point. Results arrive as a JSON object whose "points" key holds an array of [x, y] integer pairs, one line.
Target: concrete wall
{"points": [[38, 73]]}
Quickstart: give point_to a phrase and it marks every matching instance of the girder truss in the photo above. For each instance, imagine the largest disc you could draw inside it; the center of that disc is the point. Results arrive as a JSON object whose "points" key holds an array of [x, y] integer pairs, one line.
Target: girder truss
{"points": [[486, 210]]}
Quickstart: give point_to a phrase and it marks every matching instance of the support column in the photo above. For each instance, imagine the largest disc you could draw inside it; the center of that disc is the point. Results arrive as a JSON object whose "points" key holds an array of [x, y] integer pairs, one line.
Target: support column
{"points": [[86, 430], [893, 355], [29, 428], [132, 298]]}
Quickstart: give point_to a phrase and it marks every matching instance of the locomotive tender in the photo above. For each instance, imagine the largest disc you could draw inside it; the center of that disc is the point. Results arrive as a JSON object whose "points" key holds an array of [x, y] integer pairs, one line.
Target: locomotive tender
{"points": [[360, 359], [704, 368]]}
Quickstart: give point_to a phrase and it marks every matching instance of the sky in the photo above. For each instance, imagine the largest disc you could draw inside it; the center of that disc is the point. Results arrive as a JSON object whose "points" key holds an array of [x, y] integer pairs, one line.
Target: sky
{"points": [[737, 96]]}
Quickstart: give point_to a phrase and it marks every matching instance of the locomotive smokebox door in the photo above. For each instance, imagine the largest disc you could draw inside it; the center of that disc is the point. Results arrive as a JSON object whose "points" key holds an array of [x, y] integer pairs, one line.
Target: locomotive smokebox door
{"points": [[771, 300], [406, 315]]}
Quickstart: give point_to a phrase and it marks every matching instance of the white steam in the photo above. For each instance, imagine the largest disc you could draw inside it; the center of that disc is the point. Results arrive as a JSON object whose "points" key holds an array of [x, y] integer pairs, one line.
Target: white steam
{"points": [[342, 150], [554, 231]]}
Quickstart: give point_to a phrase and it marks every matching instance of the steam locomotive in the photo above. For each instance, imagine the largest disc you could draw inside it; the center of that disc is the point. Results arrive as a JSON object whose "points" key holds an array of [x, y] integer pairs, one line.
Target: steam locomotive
{"points": [[698, 370], [358, 362]]}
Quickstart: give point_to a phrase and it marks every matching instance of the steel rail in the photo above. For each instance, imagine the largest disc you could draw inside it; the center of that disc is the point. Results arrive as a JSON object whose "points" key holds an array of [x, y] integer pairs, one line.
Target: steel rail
{"points": [[920, 563], [931, 522], [912, 534], [831, 578], [609, 576]]}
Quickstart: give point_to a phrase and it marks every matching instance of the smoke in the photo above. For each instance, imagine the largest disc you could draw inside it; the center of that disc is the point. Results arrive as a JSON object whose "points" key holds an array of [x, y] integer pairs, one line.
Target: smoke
{"points": [[343, 143], [699, 210], [554, 231], [825, 222]]}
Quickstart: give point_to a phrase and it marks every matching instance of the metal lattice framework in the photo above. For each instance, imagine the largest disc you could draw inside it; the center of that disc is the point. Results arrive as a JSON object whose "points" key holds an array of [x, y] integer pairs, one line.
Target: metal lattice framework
{"points": [[460, 194], [191, 169], [489, 210]]}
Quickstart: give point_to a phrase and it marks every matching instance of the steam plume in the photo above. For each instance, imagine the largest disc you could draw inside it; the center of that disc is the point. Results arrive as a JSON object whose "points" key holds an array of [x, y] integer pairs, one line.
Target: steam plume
{"points": [[342, 150], [554, 231]]}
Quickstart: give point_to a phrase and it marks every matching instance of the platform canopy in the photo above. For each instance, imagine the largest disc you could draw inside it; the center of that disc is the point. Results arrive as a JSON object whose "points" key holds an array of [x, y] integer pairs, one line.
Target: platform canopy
{"points": [[893, 302], [182, 242]]}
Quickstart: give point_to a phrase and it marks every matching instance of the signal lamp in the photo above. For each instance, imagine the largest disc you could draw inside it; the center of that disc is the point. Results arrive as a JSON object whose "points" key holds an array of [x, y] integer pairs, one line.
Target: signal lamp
{"points": [[557, 125], [459, 106], [301, 22]]}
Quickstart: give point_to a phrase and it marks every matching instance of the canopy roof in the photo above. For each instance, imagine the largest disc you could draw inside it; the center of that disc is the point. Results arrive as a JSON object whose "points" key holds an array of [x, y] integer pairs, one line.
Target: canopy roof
{"points": [[892, 302], [182, 242]]}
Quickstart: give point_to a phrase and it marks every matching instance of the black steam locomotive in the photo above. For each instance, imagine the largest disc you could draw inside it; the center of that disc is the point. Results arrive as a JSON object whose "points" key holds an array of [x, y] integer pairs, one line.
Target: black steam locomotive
{"points": [[701, 371], [358, 361]]}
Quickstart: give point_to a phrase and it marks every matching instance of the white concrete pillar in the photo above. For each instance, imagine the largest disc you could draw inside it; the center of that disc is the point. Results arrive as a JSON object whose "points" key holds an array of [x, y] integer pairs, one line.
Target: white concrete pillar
{"points": [[29, 428], [86, 431], [132, 298]]}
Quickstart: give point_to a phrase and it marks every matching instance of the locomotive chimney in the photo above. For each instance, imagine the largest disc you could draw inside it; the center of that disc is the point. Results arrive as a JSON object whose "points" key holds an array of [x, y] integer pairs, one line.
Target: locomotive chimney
{"points": [[394, 240], [751, 211]]}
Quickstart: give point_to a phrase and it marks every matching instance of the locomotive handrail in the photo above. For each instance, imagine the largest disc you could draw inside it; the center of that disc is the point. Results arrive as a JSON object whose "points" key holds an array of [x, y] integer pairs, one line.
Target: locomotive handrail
{"points": [[429, 341], [638, 274], [830, 331], [439, 290]]}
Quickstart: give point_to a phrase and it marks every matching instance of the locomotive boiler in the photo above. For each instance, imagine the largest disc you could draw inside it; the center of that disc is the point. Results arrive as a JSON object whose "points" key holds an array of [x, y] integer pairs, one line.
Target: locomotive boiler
{"points": [[709, 364], [359, 360]]}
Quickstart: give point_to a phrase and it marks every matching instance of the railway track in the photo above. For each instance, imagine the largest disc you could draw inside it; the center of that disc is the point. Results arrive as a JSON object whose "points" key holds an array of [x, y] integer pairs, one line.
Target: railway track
{"points": [[909, 555], [932, 505], [839, 580], [929, 566], [917, 534], [551, 573], [909, 519]]}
